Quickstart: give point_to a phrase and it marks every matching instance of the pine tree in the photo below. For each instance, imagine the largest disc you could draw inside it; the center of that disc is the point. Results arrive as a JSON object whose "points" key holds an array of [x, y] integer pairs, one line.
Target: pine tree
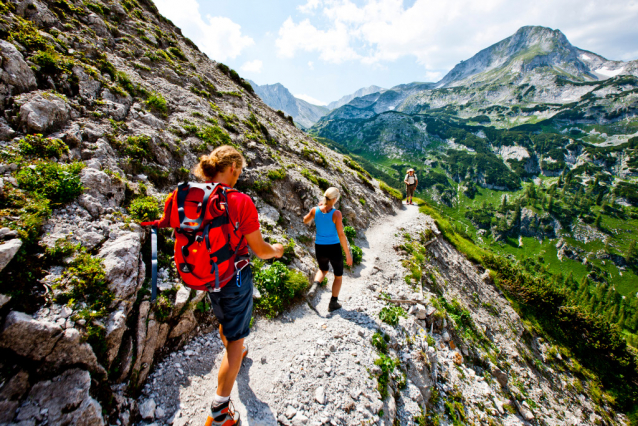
{"points": [[632, 254], [504, 204], [550, 203], [598, 224]]}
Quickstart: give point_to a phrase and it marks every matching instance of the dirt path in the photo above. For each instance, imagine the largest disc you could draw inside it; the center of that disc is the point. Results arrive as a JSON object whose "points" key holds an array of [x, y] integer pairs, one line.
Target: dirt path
{"points": [[305, 367]]}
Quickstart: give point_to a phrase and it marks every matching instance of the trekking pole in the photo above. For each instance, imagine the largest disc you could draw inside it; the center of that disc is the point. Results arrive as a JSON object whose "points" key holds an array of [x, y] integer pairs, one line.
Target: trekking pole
{"points": [[153, 263]]}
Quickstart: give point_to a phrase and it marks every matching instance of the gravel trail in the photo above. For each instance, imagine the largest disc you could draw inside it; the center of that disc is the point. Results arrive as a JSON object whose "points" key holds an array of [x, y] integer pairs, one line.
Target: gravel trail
{"points": [[307, 366]]}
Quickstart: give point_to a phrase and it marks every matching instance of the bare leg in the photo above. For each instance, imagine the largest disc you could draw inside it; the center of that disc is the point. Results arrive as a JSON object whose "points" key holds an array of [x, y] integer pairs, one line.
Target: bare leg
{"points": [[221, 335], [336, 286], [320, 275], [230, 367]]}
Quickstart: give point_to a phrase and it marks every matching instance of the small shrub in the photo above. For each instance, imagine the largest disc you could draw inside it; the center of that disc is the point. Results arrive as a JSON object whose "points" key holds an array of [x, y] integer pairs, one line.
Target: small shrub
{"points": [[41, 147], [156, 102], [362, 201], [357, 255], [213, 135], [323, 183], [262, 186], [378, 340], [177, 52], [391, 314], [387, 365], [137, 147], [278, 174], [59, 183], [351, 234], [278, 286], [144, 209], [312, 178], [163, 308]]}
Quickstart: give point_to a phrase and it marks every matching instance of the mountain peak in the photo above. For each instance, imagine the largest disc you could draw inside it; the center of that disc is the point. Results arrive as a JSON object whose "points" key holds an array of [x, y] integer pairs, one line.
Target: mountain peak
{"points": [[530, 47]]}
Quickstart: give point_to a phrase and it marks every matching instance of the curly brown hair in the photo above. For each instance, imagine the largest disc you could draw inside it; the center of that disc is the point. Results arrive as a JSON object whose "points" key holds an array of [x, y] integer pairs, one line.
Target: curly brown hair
{"points": [[217, 161]]}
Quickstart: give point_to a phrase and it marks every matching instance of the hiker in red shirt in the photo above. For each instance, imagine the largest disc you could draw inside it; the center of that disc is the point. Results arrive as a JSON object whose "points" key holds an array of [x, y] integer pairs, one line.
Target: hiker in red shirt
{"points": [[211, 254], [224, 165]]}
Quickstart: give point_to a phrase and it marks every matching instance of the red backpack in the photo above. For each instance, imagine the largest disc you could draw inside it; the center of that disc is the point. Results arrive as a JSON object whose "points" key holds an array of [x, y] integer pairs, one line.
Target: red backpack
{"points": [[203, 256]]}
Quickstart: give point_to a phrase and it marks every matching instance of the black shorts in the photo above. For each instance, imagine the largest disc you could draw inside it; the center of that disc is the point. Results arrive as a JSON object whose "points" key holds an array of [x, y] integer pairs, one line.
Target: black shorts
{"points": [[330, 254], [233, 306]]}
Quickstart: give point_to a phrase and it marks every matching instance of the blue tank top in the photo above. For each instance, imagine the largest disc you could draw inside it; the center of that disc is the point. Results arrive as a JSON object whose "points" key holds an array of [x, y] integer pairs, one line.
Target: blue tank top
{"points": [[326, 229]]}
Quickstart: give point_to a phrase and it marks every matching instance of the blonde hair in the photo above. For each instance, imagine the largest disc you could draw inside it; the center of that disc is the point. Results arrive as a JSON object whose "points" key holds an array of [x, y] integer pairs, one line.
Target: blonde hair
{"points": [[331, 193], [217, 161]]}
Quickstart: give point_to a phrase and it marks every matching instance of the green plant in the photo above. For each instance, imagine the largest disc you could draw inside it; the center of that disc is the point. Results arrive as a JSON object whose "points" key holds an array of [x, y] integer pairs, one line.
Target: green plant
{"points": [[59, 183], [278, 286], [163, 308], [277, 174], [137, 147], [262, 186], [357, 254], [394, 193], [351, 234], [41, 147], [362, 201], [156, 102], [323, 183], [391, 314], [311, 177], [379, 341], [145, 209], [387, 365]]}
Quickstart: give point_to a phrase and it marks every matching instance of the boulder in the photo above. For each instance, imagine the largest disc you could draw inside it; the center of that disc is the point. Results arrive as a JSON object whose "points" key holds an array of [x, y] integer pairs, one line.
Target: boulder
{"points": [[65, 399], [121, 263], [100, 191], [185, 325], [6, 132], [183, 293], [36, 12], [150, 345], [97, 24], [320, 395], [42, 112], [500, 376], [15, 72], [142, 316], [28, 337], [268, 214], [10, 395], [420, 312], [8, 250], [115, 328], [4, 299], [147, 409], [88, 86], [71, 350]]}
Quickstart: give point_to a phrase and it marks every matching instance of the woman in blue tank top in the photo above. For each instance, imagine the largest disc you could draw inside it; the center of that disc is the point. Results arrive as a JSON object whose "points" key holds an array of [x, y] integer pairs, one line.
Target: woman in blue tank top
{"points": [[329, 242]]}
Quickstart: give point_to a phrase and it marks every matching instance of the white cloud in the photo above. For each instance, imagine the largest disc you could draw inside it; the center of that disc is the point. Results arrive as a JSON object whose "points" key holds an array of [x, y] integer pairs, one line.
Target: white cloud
{"points": [[311, 65], [440, 34], [218, 36], [310, 99], [252, 66]]}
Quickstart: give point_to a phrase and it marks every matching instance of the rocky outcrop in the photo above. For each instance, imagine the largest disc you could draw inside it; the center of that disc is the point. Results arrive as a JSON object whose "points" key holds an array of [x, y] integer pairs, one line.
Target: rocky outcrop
{"points": [[137, 126], [15, 76], [8, 250], [65, 399], [42, 112]]}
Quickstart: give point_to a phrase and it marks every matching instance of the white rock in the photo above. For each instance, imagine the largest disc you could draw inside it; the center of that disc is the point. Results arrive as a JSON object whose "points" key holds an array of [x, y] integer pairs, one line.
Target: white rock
{"points": [[4, 299], [290, 412], [320, 395], [183, 293], [147, 409], [8, 250], [445, 336]]}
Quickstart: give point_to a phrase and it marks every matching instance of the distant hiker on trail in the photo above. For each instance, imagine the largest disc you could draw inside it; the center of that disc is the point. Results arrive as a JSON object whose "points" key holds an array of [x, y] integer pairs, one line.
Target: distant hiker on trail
{"points": [[329, 242], [214, 226], [411, 181]]}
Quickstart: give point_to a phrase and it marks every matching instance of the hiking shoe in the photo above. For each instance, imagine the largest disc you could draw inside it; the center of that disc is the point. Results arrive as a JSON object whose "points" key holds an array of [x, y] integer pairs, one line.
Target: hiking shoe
{"points": [[223, 415], [244, 352], [333, 306]]}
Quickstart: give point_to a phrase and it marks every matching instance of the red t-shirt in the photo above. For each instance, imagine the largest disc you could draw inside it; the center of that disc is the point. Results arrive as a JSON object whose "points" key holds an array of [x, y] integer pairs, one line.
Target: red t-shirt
{"points": [[241, 209]]}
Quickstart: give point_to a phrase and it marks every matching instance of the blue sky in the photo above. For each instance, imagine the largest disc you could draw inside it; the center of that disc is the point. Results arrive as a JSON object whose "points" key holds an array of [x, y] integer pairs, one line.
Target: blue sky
{"points": [[324, 49]]}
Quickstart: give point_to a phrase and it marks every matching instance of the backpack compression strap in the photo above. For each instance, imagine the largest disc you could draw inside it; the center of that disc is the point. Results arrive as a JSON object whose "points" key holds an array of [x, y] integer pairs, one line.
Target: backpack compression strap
{"points": [[153, 263]]}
